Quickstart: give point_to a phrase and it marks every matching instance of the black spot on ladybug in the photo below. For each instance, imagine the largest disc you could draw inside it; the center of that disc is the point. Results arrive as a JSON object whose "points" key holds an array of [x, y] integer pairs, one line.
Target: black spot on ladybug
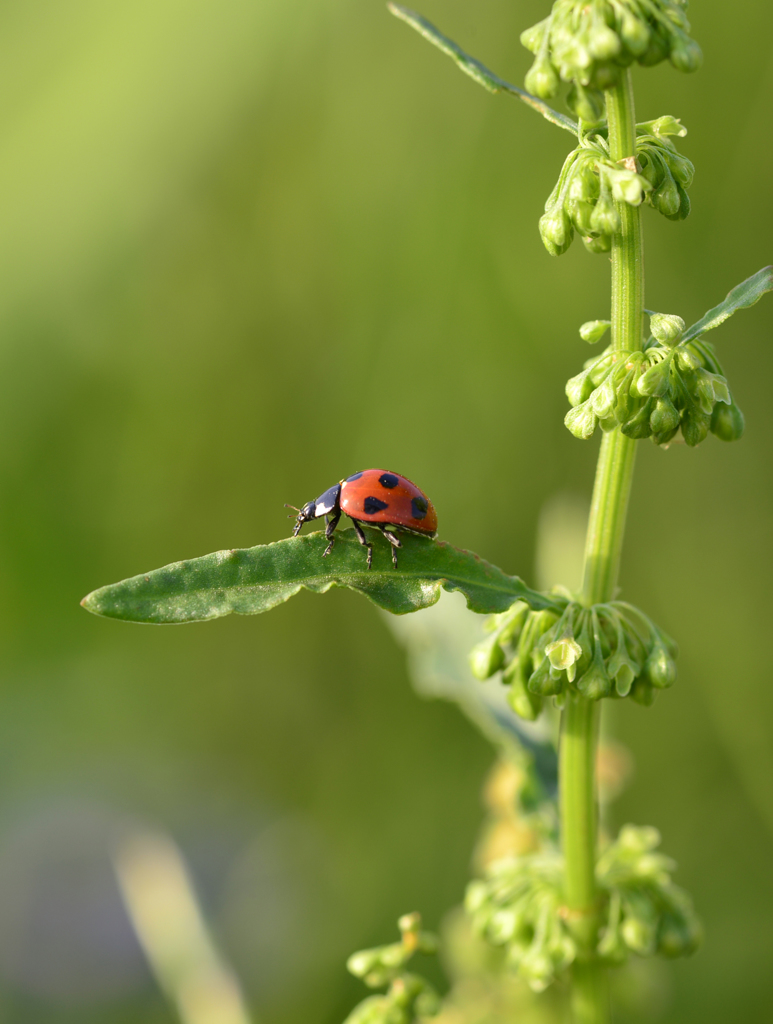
{"points": [[372, 505], [388, 480], [356, 476], [419, 507]]}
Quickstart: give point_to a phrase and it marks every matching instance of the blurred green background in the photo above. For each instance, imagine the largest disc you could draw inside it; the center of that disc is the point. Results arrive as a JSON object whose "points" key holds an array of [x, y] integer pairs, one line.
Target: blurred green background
{"points": [[248, 248]]}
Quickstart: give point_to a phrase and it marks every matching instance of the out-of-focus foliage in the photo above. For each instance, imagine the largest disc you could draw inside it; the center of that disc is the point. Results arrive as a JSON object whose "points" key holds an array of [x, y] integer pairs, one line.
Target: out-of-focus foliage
{"points": [[249, 248]]}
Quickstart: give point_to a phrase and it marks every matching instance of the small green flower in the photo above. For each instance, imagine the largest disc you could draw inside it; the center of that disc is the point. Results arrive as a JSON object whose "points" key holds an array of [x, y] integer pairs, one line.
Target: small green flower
{"points": [[564, 654], [667, 328], [594, 330]]}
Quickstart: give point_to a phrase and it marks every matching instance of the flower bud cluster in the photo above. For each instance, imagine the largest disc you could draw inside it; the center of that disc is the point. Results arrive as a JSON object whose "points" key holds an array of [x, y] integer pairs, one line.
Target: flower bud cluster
{"points": [[591, 184], [607, 650], [519, 905], [408, 996], [672, 386], [646, 912], [590, 42]]}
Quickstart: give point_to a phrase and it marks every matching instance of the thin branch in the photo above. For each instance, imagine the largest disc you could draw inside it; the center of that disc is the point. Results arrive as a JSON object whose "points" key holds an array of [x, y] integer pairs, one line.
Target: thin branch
{"points": [[477, 71]]}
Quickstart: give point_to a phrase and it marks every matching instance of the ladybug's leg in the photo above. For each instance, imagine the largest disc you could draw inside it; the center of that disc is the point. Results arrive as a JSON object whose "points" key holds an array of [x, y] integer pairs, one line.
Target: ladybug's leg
{"points": [[362, 539], [332, 522], [394, 540]]}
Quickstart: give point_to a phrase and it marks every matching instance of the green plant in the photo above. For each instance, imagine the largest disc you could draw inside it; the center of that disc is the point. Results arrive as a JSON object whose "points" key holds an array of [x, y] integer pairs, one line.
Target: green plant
{"points": [[565, 908]]}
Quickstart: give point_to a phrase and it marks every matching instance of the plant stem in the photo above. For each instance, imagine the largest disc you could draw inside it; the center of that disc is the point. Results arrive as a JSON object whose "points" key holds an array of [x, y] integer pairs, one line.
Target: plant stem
{"points": [[580, 718]]}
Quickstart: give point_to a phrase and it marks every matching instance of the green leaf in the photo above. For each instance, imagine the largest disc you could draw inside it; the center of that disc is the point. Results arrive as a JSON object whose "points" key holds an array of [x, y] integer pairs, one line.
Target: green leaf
{"points": [[742, 296], [252, 580], [477, 71]]}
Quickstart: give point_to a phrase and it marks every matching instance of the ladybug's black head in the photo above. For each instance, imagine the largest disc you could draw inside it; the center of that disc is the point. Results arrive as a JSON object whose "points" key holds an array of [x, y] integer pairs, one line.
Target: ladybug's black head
{"points": [[305, 515]]}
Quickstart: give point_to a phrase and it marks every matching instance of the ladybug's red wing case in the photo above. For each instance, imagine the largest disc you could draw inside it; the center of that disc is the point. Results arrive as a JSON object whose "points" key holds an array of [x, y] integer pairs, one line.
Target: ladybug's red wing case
{"points": [[378, 496]]}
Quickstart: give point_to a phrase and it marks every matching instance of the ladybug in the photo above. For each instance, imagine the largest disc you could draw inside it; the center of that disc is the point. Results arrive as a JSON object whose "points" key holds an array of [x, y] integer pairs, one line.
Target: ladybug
{"points": [[377, 498]]}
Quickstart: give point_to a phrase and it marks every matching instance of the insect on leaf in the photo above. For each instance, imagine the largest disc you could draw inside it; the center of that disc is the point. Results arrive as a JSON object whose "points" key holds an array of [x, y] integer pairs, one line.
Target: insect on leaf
{"points": [[248, 581]]}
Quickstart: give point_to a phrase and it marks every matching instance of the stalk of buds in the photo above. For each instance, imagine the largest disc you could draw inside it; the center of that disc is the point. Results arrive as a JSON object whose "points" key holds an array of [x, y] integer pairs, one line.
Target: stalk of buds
{"points": [[408, 996], [591, 183], [519, 906], [672, 385], [588, 43], [608, 650]]}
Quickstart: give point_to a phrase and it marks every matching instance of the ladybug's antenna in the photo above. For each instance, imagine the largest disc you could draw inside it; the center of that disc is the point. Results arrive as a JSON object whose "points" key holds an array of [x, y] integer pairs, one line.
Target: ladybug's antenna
{"points": [[292, 507]]}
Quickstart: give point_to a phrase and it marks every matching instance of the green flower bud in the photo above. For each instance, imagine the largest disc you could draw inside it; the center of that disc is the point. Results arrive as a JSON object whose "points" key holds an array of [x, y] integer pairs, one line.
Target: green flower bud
{"points": [[587, 104], [599, 367], [658, 49], [363, 962], [643, 693], [556, 231], [701, 386], [502, 926], [581, 421], [660, 667], [651, 169], [627, 186], [475, 896], [639, 935], [664, 437], [675, 12], [603, 43], [721, 390], [580, 213], [612, 948], [695, 426], [605, 219], [667, 328], [509, 624], [605, 75], [621, 667], [603, 399], [640, 922], [685, 53], [428, 1003], [594, 330], [585, 180], [394, 955], [634, 33], [541, 79], [687, 358], [673, 939], [595, 684], [543, 682], [525, 704], [537, 969], [638, 425], [638, 839], [374, 1010], [684, 205], [665, 198], [655, 381], [665, 125], [664, 418], [727, 422], [486, 658], [597, 244], [564, 653], [532, 38], [627, 405], [682, 169], [579, 388]]}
